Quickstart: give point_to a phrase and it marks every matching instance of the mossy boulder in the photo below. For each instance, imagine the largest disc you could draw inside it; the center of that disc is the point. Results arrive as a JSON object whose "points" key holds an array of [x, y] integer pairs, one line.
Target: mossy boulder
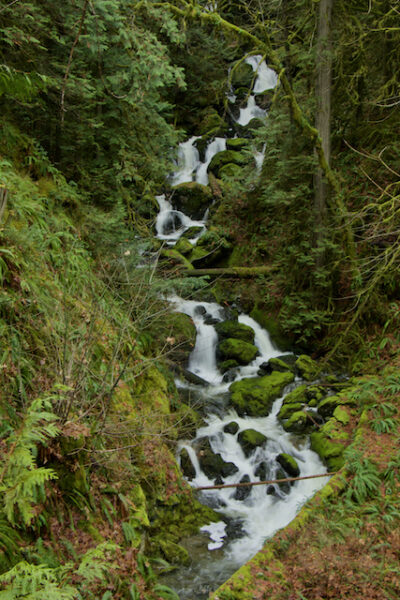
{"points": [[211, 124], [287, 410], [329, 451], [174, 553], [193, 232], [231, 428], [315, 392], [242, 75], [210, 248], [297, 395], [255, 396], [227, 365], [277, 364], [224, 158], [181, 333], [298, 422], [213, 465], [242, 352], [229, 170], [289, 464], [175, 257], [327, 406], [234, 329], [184, 246], [191, 198], [307, 367], [244, 492], [250, 439], [341, 414], [236, 144]]}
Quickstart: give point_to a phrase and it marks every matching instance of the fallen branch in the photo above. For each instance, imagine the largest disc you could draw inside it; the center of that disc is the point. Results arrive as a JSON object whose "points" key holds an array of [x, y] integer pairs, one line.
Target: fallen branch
{"points": [[252, 483], [3, 201]]}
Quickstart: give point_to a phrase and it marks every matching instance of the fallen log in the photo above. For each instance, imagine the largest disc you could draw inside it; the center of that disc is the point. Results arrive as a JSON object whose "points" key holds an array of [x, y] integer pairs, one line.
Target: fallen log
{"points": [[252, 483], [231, 271]]}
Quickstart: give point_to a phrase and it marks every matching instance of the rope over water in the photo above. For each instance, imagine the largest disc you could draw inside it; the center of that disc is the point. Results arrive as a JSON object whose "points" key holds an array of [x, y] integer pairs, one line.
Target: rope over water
{"points": [[252, 483]]}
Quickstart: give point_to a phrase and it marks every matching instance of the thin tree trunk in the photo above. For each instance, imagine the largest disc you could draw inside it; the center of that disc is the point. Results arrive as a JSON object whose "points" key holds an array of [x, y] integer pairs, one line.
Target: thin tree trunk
{"points": [[323, 113]]}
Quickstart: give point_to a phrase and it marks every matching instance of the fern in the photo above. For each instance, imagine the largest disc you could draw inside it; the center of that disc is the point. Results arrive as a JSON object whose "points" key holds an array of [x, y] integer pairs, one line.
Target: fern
{"points": [[36, 582], [21, 480], [366, 480]]}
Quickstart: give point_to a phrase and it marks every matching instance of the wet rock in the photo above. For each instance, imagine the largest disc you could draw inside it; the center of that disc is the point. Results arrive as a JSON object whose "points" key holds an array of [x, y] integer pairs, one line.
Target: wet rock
{"points": [[228, 365], [209, 320], [212, 464], [231, 427], [277, 364], [193, 232], [173, 222], [289, 464], [287, 410], [236, 330], [200, 310], [234, 529], [262, 471], [284, 486], [226, 157], [229, 375], [186, 465], [255, 396], [243, 492], [307, 367], [298, 422], [250, 439], [192, 198], [271, 490], [242, 352]]}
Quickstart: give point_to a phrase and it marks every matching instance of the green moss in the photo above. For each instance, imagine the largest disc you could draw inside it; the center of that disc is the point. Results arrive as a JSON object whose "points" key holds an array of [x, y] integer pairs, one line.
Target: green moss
{"points": [[234, 329], [250, 439], [224, 158], [232, 348], [288, 409], [297, 395], [331, 452], [183, 246], [192, 198], [307, 367], [173, 553], [315, 392], [242, 75], [225, 365], [229, 170], [254, 396], [279, 365], [138, 509], [288, 463], [341, 414], [211, 124], [298, 422], [236, 143]]}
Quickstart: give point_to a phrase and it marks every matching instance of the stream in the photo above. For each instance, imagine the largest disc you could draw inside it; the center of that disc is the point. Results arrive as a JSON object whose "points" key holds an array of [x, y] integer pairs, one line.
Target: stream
{"points": [[249, 515]]}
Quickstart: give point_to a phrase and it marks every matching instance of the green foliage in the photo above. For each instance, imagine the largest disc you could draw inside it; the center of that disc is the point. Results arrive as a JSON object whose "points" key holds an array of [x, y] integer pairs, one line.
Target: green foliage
{"points": [[22, 481], [366, 479]]}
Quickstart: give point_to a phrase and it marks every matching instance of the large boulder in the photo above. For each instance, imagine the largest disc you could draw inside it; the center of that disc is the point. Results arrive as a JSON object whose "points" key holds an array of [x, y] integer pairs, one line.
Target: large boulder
{"points": [[191, 198], [298, 422], [250, 439], [213, 465], [236, 144], [210, 248], [234, 329], [255, 396], [242, 352], [307, 367], [224, 158]]}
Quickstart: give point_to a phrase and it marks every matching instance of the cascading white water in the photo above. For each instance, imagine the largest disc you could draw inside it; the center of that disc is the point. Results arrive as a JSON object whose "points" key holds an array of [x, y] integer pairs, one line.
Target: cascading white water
{"points": [[188, 161], [215, 146], [171, 224], [266, 79]]}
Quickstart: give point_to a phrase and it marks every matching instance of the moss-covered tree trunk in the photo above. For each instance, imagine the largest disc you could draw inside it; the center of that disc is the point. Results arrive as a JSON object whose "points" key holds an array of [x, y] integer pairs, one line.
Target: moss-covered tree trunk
{"points": [[323, 112]]}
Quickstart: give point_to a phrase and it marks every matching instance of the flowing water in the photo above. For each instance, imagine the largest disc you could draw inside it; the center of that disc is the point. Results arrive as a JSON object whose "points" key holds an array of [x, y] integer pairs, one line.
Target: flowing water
{"points": [[249, 515]]}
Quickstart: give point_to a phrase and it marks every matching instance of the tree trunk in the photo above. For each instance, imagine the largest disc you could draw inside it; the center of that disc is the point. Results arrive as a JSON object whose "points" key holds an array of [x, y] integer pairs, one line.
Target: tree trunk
{"points": [[323, 112]]}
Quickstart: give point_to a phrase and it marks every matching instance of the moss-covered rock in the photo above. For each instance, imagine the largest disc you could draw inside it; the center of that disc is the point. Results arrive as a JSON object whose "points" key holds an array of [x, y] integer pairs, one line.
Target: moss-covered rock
{"points": [[330, 451], [287, 410], [242, 352], [229, 170], [297, 395], [173, 553], [191, 198], [327, 406], [231, 428], [175, 257], [213, 465], [193, 232], [211, 248], [181, 333], [278, 364], [315, 392], [341, 414], [298, 422], [255, 396], [211, 124], [226, 365], [250, 439], [307, 367], [289, 464], [224, 158], [234, 329], [236, 143], [183, 246]]}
